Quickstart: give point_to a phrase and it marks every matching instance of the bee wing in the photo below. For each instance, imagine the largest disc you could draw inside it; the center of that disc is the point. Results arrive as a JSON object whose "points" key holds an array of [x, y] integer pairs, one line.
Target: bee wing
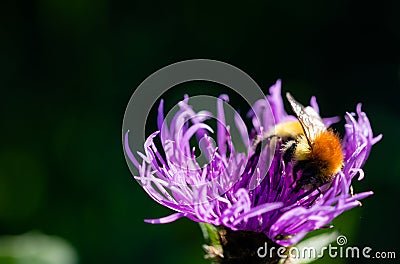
{"points": [[309, 119]]}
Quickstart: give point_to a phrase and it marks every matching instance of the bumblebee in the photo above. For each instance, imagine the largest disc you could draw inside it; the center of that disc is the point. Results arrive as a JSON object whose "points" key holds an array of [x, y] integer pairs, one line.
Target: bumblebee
{"points": [[314, 150]]}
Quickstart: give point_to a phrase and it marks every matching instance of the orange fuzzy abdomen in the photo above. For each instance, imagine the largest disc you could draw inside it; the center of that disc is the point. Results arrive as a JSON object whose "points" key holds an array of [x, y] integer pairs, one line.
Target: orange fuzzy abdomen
{"points": [[326, 148]]}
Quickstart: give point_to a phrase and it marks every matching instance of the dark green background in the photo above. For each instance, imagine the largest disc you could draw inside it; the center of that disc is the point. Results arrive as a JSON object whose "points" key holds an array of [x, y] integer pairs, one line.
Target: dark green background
{"points": [[68, 69]]}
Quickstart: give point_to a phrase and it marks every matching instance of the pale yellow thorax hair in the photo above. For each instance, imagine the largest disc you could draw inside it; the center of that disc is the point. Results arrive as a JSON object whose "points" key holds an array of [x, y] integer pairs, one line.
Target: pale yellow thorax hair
{"points": [[303, 149], [293, 129], [290, 129]]}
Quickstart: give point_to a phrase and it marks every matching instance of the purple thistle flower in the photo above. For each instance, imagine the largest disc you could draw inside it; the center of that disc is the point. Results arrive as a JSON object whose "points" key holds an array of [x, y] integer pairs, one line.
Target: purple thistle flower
{"points": [[242, 191]]}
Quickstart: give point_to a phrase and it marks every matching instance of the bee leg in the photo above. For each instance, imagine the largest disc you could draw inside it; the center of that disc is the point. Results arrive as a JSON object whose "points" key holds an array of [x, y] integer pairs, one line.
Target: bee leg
{"points": [[288, 150], [305, 194]]}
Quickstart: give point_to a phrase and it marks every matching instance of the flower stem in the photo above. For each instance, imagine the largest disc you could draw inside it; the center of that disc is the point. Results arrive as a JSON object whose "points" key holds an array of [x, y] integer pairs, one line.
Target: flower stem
{"points": [[239, 247]]}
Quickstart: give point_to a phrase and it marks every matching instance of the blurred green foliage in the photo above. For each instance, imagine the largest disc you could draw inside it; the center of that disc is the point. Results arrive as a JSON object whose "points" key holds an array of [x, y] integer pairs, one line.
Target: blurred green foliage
{"points": [[68, 69], [36, 248]]}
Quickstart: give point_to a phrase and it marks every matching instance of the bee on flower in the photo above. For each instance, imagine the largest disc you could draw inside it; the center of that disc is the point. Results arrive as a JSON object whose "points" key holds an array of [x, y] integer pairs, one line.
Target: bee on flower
{"points": [[306, 184]]}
